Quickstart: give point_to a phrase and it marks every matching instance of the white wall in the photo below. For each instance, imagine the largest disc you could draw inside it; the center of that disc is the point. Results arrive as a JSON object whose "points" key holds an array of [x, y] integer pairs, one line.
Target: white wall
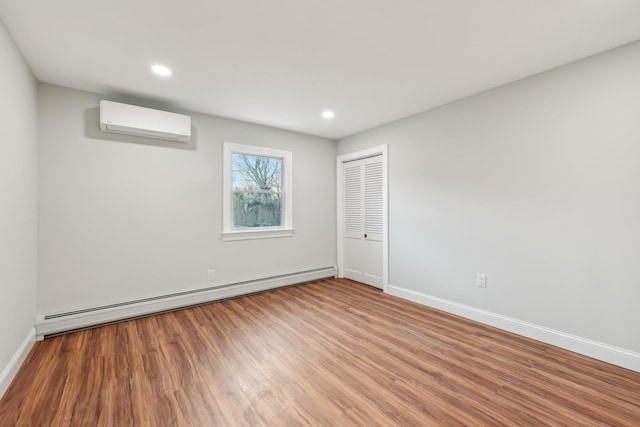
{"points": [[537, 185], [123, 217], [18, 199]]}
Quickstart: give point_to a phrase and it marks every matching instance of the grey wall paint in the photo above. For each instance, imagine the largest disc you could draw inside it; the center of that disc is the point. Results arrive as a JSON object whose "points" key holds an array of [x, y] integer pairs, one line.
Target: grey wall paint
{"points": [[18, 198], [537, 185], [122, 217]]}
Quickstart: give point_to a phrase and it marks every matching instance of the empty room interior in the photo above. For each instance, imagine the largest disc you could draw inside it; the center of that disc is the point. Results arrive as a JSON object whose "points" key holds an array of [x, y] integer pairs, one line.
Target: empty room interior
{"points": [[319, 213]]}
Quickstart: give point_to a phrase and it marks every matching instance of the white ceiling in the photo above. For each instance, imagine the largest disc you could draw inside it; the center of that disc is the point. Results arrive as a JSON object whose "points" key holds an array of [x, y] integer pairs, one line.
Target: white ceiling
{"points": [[282, 62]]}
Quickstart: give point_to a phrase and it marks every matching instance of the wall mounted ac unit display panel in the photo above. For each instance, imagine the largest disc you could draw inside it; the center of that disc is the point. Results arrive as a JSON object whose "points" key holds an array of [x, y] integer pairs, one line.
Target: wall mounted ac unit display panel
{"points": [[139, 121]]}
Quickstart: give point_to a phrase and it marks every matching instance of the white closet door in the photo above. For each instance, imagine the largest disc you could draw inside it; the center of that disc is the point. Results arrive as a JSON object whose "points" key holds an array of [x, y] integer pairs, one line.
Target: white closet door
{"points": [[363, 223]]}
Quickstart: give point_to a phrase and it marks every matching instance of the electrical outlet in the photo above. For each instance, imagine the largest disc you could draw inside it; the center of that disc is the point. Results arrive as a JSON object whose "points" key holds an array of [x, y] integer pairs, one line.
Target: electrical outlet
{"points": [[481, 280], [211, 275]]}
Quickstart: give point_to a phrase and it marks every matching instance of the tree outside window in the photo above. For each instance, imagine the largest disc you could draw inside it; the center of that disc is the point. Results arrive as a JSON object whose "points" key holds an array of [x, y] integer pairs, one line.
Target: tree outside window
{"points": [[257, 193]]}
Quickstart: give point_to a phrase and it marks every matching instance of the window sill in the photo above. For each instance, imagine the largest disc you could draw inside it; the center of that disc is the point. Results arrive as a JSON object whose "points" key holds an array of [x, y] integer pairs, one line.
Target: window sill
{"points": [[229, 236]]}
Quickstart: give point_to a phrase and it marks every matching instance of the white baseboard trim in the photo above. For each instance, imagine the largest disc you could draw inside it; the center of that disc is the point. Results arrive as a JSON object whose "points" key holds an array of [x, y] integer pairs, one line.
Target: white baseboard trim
{"points": [[63, 322], [594, 349], [10, 371]]}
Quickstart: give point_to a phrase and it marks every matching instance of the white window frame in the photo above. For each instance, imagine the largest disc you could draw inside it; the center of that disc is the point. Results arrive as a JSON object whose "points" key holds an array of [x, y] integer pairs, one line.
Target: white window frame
{"points": [[286, 229]]}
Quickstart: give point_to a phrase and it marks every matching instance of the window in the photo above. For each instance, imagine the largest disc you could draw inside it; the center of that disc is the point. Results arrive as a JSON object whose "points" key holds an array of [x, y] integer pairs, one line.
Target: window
{"points": [[257, 193]]}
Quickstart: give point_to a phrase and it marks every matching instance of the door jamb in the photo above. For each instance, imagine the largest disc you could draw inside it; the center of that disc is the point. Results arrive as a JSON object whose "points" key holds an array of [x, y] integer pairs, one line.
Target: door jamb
{"points": [[370, 152]]}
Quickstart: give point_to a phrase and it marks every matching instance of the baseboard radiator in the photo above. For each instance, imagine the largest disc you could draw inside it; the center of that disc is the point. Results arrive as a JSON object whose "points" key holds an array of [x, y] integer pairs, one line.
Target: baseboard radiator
{"points": [[59, 323]]}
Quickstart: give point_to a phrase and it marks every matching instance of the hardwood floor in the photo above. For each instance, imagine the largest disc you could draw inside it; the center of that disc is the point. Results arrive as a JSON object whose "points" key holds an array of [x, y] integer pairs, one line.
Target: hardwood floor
{"points": [[333, 352]]}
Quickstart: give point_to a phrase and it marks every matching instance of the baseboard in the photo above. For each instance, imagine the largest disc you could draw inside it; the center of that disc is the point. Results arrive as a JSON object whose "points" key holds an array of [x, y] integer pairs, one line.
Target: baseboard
{"points": [[596, 350], [10, 371], [57, 323]]}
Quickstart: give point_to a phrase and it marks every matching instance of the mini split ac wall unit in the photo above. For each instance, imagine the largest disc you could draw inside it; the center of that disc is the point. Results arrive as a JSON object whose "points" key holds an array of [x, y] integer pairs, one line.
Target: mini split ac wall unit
{"points": [[139, 121]]}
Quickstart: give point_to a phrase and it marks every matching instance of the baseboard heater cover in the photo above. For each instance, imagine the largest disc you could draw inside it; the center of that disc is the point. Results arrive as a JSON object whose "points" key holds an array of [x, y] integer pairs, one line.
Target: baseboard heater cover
{"points": [[58, 323]]}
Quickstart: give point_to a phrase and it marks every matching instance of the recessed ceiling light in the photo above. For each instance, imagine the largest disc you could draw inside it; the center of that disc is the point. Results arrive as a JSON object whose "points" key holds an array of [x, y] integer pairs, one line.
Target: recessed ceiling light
{"points": [[161, 70], [328, 114]]}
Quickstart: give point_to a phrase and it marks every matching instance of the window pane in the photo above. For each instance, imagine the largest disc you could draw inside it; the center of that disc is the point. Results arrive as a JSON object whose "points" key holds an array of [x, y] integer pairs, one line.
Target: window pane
{"points": [[256, 173], [257, 210], [257, 192]]}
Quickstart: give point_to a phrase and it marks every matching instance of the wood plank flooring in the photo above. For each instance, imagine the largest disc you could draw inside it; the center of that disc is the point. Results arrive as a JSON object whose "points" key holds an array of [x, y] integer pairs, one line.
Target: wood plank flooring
{"points": [[330, 353]]}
